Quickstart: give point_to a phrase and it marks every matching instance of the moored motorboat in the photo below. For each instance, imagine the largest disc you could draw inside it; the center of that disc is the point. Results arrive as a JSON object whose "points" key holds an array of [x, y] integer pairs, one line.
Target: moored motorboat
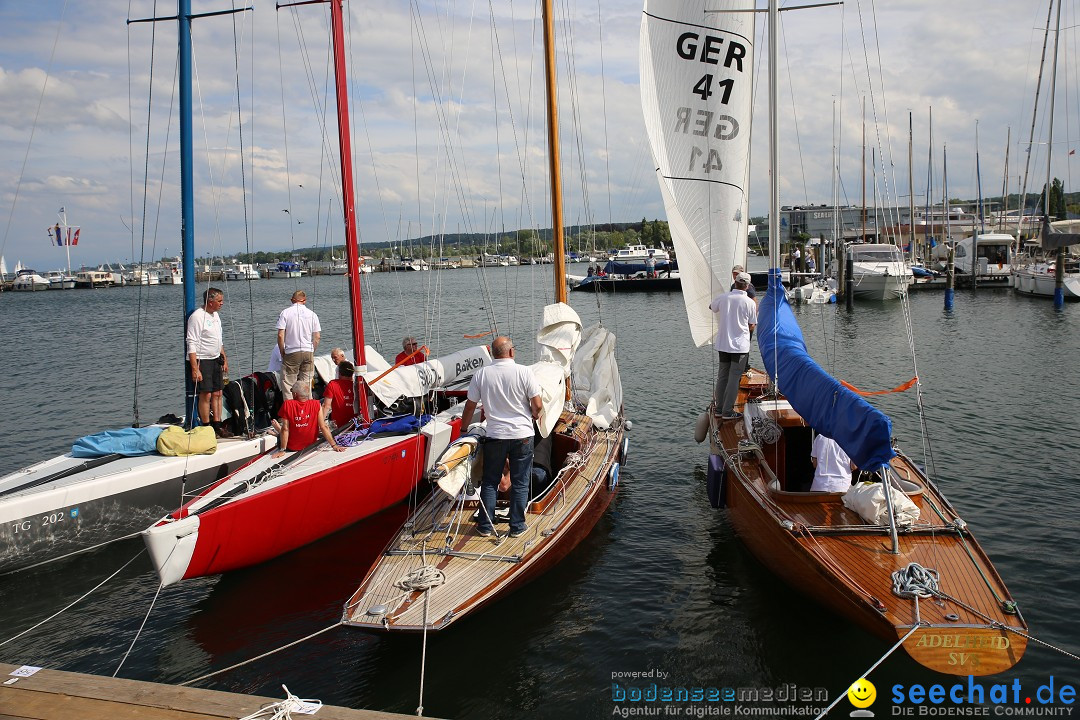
{"points": [[879, 271], [27, 280]]}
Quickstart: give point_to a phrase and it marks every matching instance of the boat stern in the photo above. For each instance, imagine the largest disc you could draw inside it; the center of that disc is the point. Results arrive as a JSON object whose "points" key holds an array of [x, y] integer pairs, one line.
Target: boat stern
{"points": [[965, 649]]}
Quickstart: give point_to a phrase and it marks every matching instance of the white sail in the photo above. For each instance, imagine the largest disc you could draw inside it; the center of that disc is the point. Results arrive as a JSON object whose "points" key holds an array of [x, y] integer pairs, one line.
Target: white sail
{"points": [[3, 268], [696, 95]]}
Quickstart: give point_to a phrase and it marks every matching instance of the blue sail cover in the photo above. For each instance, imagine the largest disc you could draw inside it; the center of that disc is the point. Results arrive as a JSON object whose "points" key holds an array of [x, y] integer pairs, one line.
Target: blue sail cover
{"points": [[830, 408]]}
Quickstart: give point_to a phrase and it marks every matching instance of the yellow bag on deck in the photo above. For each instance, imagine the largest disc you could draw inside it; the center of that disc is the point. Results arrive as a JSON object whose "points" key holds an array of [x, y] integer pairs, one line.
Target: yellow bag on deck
{"points": [[174, 441]]}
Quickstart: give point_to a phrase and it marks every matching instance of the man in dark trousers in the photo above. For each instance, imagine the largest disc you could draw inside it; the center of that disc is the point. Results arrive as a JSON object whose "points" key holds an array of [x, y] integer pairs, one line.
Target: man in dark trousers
{"points": [[510, 395]]}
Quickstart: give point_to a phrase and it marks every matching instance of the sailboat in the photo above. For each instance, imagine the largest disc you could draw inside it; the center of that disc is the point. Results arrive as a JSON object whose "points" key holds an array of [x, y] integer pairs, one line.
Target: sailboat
{"points": [[273, 505], [69, 504], [1056, 277], [586, 430], [760, 468]]}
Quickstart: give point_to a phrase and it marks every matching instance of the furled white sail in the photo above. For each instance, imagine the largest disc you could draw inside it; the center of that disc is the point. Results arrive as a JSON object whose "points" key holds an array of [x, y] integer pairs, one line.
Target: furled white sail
{"points": [[697, 62]]}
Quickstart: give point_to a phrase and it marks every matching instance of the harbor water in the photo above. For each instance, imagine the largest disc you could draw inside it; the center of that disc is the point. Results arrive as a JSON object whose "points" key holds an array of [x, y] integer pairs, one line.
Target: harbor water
{"points": [[661, 592]]}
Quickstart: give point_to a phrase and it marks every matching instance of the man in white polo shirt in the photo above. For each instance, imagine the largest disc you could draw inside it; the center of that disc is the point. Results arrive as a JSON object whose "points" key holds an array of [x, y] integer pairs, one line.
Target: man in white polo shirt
{"points": [[736, 317], [510, 395], [298, 337]]}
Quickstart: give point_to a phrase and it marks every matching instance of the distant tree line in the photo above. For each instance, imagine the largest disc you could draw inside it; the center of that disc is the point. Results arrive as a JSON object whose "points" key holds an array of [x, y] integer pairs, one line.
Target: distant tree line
{"points": [[581, 239]]}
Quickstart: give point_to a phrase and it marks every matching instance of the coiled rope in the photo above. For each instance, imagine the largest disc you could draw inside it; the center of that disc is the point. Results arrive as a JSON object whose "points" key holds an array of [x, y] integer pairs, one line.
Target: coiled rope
{"points": [[916, 581], [283, 709]]}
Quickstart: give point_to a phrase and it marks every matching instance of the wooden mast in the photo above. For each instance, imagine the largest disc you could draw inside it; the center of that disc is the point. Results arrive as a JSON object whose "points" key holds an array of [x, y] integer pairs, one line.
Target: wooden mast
{"points": [[553, 154]]}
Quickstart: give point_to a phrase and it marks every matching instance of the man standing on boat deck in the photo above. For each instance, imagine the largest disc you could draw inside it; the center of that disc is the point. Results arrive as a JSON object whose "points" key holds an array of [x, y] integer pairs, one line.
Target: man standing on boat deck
{"points": [[298, 338], [206, 356], [510, 395], [750, 291], [736, 317]]}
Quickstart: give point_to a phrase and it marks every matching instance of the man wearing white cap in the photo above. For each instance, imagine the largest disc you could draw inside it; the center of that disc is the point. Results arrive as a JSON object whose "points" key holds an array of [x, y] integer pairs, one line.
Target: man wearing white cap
{"points": [[736, 317]]}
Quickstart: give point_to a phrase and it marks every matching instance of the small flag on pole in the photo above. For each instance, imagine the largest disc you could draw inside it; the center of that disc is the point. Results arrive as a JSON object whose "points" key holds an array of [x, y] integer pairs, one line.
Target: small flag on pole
{"points": [[75, 240], [1072, 152], [56, 234]]}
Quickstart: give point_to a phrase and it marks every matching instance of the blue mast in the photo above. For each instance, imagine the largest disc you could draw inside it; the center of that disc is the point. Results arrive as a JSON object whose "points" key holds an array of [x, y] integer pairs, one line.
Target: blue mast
{"points": [[187, 188]]}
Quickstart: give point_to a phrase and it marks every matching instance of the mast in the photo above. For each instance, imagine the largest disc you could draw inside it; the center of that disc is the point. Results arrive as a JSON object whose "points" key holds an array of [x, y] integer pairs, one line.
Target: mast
{"points": [[1059, 265], [187, 189], [553, 154], [774, 144], [911, 187], [352, 253]]}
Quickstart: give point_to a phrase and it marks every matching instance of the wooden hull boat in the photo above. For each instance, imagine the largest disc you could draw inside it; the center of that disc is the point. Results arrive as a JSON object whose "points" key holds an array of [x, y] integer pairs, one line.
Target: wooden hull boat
{"points": [[816, 544], [440, 536]]}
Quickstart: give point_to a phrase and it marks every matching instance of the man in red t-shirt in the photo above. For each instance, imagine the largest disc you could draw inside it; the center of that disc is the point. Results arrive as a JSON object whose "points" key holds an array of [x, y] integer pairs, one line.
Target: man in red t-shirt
{"points": [[409, 346], [301, 420], [337, 402]]}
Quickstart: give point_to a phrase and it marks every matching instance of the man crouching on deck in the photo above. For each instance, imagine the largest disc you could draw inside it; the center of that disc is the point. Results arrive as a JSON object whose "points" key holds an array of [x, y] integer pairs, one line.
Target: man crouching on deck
{"points": [[510, 395], [301, 420]]}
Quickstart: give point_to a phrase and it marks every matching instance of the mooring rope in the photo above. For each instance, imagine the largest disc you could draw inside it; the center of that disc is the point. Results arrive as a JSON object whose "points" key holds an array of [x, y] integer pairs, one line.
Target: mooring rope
{"points": [[260, 657], [871, 669], [139, 631], [283, 709], [72, 554], [916, 581], [75, 602]]}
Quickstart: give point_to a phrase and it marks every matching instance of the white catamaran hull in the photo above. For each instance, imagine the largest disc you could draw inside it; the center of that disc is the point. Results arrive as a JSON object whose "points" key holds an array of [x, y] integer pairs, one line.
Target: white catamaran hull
{"points": [[39, 522]]}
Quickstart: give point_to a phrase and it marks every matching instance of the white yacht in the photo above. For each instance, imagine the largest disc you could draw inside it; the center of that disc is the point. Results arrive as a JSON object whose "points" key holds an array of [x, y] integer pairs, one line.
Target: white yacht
{"points": [[639, 254], [89, 279], [879, 271], [173, 274], [241, 271], [27, 280], [60, 280]]}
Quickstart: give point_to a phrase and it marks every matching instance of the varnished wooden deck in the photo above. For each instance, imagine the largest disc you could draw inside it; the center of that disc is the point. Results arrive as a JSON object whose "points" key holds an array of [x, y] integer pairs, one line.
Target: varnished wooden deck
{"points": [[477, 570], [819, 546], [58, 695]]}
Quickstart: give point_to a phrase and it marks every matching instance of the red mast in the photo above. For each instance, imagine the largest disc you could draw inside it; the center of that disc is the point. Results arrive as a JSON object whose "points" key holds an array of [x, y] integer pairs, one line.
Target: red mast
{"points": [[348, 196]]}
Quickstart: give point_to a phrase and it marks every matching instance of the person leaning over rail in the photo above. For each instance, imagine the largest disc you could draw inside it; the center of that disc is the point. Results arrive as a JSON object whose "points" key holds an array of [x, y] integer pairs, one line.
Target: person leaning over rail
{"points": [[302, 421], [206, 358], [510, 395], [736, 316], [298, 339]]}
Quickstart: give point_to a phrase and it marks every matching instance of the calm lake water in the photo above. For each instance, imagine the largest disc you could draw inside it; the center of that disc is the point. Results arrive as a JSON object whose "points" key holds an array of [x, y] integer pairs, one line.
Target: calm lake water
{"points": [[661, 584]]}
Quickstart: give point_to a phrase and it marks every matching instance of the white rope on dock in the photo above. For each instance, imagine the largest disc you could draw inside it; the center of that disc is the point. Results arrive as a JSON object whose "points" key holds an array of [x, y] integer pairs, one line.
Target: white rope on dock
{"points": [[75, 602], [283, 709], [260, 657]]}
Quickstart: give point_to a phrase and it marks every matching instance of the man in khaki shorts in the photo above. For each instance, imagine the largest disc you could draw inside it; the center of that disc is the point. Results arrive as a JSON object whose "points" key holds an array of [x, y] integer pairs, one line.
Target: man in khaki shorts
{"points": [[298, 338]]}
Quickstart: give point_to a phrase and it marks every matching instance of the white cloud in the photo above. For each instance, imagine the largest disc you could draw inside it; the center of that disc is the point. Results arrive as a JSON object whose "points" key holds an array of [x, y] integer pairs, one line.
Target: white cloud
{"points": [[969, 59]]}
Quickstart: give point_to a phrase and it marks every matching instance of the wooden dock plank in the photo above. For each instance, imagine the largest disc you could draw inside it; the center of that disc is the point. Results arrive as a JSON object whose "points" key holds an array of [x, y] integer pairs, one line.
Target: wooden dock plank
{"points": [[59, 695]]}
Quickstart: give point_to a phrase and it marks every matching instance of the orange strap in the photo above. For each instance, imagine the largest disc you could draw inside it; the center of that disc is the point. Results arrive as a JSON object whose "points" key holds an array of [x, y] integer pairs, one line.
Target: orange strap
{"points": [[395, 366], [899, 388], [474, 337]]}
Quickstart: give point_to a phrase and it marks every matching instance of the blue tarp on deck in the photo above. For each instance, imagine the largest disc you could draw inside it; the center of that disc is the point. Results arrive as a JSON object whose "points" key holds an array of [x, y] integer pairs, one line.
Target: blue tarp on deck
{"points": [[130, 442], [830, 408]]}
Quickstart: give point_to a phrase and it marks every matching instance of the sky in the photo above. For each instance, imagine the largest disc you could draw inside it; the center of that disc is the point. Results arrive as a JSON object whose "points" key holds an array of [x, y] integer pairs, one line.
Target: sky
{"points": [[448, 130]]}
